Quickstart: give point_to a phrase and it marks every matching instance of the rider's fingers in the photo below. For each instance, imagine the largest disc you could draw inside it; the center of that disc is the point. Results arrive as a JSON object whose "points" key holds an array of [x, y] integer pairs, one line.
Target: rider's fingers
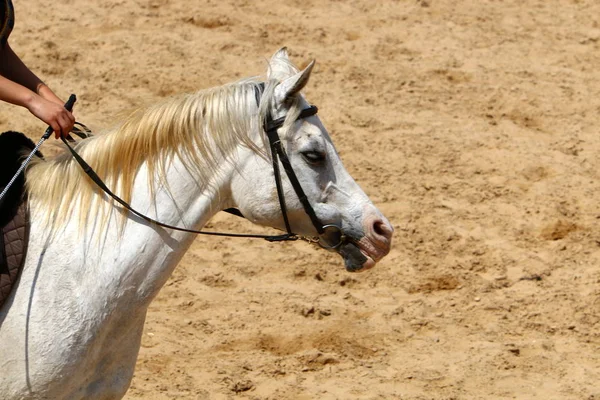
{"points": [[56, 128], [64, 126], [69, 120]]}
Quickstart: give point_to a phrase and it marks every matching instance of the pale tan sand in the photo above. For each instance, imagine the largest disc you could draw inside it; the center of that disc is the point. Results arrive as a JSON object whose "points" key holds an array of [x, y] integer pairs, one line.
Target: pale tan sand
{"points": [[474, 127]]}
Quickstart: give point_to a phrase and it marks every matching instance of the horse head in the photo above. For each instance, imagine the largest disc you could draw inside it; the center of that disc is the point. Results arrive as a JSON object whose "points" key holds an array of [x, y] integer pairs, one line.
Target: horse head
{"points": [[351, 224]]}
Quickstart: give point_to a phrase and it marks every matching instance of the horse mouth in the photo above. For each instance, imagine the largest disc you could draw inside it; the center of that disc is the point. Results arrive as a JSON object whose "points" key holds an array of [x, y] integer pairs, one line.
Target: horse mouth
{"points": [[359, 253], [355, 258]]}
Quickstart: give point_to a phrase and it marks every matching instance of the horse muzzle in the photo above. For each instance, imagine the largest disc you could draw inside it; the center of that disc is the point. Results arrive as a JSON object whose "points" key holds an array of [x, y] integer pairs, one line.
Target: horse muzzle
{"points": [[360, 254]]}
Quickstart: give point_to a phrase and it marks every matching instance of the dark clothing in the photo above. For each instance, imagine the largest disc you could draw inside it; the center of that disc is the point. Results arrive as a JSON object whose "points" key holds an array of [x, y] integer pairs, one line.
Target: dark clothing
{"points": [[7, 20]]}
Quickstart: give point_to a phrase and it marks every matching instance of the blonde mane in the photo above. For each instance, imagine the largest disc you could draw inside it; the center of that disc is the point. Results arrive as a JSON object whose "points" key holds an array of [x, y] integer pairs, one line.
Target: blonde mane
{"points": [[202, 129]]}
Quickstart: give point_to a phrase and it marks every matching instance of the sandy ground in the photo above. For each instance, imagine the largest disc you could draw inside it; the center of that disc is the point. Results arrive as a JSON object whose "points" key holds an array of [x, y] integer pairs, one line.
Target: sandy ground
{"points": [[473, 125]]}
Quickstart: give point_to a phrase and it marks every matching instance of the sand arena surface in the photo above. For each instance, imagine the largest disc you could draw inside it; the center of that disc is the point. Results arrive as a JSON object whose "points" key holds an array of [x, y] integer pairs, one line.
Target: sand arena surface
{"points": [[473, 125]]}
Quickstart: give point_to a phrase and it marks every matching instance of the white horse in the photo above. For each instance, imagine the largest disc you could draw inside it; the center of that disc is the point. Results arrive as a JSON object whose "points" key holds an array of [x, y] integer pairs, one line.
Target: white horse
{"points": [[73, 324]]}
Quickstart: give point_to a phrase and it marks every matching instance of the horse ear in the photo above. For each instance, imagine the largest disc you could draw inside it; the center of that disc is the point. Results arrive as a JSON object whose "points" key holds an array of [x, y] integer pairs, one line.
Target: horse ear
{"points": [[282, 53], [294, 84], [280, 66]]}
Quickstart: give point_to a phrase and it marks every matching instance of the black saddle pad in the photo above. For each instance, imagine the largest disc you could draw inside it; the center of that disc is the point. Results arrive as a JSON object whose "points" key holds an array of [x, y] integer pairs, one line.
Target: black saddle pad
{"points": [[13, 147], [14, 219]]}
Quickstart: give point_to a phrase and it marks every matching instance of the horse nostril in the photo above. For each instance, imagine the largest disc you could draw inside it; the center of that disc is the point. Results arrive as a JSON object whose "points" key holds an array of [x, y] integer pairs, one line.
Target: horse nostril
{"points": [[380, 228]]}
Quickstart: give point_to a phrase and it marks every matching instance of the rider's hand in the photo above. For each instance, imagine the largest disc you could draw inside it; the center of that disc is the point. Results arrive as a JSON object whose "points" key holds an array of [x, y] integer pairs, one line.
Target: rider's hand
{"points": [[55, 115]]}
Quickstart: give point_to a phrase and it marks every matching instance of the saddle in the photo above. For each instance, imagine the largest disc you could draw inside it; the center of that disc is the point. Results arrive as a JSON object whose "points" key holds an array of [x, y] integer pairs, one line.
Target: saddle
{"points": [[14, 213]]}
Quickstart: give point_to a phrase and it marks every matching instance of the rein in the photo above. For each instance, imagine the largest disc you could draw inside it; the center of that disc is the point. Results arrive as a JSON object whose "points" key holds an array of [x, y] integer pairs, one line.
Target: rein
{"points": [[270, 126]]}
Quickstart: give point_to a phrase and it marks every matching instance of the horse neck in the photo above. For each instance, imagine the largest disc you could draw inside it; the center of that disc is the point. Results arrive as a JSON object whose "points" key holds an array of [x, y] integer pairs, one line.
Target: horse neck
{"points": [[133, 261], [142, 256], [186, 203]]}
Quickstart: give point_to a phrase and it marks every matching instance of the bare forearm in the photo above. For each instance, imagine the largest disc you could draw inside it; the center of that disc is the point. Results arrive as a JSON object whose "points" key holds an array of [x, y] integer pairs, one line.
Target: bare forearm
{"points": [[12, 68], [20, 86], [15, 93], [48, 94]]}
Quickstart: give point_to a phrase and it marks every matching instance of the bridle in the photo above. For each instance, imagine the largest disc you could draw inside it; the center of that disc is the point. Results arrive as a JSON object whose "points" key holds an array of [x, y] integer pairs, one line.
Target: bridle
{"points": [[270, 127]]}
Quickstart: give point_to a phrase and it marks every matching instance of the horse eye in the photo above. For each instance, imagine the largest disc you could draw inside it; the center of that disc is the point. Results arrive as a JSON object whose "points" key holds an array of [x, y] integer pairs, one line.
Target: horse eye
{"points": [[313, 157]]}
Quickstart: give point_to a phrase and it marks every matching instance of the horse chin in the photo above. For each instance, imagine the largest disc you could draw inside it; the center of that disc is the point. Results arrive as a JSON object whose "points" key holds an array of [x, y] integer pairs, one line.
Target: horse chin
{"points": [[355, 259]]}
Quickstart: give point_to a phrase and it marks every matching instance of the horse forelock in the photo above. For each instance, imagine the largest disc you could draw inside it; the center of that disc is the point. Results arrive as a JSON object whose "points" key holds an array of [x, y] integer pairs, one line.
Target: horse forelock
{"points": [[201, 129]]}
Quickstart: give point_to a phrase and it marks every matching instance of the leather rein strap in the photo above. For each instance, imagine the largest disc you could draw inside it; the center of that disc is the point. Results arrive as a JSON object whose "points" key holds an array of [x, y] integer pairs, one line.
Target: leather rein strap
{"points": [[277, 152]]}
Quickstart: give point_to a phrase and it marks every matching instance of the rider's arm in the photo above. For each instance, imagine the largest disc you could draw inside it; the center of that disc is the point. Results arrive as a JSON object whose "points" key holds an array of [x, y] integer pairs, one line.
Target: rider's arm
{"points": [[20, 86]]}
